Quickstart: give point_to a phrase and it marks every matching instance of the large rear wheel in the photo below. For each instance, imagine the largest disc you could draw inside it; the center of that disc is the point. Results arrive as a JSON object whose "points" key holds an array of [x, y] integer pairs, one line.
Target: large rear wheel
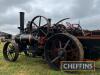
{"points": [[62, 47]]}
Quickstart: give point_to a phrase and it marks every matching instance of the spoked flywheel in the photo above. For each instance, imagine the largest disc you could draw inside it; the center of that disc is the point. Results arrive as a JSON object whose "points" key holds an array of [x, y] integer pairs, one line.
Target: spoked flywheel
{"points": [[62, 47], [10, 51]]}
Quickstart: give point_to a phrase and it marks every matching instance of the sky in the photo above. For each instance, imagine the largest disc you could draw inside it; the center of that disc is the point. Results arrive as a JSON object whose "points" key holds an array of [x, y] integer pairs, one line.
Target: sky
{"points": [[85, 11]]}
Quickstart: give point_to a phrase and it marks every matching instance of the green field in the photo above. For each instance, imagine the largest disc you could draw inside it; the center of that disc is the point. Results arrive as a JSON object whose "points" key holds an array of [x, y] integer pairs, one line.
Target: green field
{"points": [[34, 66]]}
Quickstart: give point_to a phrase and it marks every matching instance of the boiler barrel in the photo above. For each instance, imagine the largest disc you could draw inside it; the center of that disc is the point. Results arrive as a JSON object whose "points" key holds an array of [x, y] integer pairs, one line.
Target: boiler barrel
{"points": [[25, 39]]}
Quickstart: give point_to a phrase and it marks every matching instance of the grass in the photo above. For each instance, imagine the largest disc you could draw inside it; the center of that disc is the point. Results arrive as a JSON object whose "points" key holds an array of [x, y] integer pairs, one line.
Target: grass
{"points": [[33, 66]]}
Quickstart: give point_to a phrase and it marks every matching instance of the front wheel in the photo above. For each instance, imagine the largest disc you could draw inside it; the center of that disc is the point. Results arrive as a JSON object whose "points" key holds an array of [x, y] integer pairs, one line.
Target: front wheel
{"points": [[10, 51]]}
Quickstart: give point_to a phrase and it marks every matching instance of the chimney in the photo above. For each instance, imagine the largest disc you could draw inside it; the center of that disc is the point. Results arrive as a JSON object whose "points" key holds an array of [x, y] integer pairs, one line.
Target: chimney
{"points": [[21, 22]]}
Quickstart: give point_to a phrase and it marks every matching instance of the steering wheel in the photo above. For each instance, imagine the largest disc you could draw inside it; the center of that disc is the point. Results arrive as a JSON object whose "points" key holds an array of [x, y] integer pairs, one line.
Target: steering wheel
{"points": [[38, 22]]}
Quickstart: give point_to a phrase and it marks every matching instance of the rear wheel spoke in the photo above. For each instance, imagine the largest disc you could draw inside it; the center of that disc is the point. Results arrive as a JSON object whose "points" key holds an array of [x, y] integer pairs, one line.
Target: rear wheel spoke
{"points": [[56, 58], [66, 44], [60, 46]]}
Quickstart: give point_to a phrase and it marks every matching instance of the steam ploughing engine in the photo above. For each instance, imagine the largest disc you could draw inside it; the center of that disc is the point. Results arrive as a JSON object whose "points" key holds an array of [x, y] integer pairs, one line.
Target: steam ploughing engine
{"points": [[54, 43]]}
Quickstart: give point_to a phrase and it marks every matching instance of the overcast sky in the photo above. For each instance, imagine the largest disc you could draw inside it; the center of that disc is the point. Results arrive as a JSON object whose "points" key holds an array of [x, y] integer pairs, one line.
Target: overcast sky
{"points": [[87, 11]]}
